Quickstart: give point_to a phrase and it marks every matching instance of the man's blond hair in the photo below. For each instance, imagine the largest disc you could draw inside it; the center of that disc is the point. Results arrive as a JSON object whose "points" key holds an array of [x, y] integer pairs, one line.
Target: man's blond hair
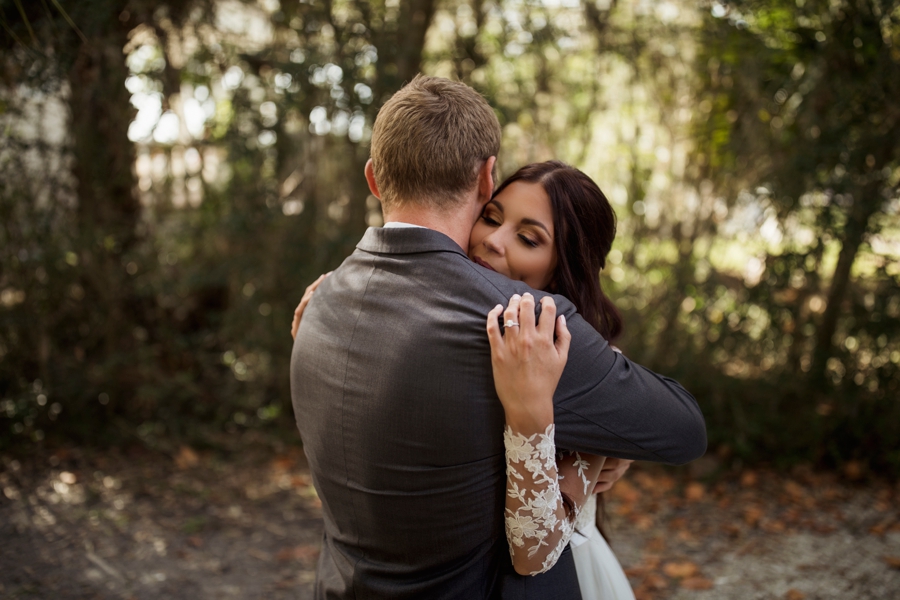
{"points": [[429, 142]]}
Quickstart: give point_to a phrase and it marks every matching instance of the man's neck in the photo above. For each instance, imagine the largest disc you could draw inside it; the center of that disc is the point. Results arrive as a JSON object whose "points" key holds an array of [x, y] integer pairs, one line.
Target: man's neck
{"points": [[457, 224]]}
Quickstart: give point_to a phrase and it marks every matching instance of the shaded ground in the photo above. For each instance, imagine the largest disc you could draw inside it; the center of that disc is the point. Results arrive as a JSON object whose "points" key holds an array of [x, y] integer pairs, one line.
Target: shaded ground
{"points": [[246, 524]]}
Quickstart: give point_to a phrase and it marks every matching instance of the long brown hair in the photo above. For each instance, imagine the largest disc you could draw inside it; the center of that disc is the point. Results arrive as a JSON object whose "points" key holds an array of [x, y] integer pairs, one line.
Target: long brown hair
{"points": [[584, 223]]}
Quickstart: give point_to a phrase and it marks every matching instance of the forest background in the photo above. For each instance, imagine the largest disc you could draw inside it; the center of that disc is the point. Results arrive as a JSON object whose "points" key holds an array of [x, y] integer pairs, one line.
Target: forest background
{"points": [[174, 173]]}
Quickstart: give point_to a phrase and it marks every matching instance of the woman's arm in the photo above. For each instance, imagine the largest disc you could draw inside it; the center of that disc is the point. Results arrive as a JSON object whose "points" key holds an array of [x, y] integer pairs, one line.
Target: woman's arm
{"points": [[527, 365]]}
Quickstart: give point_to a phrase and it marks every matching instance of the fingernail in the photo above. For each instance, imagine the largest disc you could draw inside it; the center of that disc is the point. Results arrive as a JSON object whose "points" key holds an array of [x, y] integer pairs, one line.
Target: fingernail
{"points": [[516, 297], [500, 306], [527, 294], [563, 319]]}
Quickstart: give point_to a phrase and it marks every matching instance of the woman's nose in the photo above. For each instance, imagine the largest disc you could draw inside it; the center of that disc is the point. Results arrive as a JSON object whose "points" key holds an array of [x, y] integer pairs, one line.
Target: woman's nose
{"points": [[493, 243]]}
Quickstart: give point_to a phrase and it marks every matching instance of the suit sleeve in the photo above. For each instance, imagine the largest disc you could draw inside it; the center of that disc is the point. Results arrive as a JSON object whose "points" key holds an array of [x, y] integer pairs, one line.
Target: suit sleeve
{"points": [[608, 405]]}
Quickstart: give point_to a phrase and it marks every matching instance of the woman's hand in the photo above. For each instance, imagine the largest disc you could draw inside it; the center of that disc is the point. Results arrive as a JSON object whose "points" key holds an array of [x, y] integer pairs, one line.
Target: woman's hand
{"points": [[527, 361], [307, 296]]}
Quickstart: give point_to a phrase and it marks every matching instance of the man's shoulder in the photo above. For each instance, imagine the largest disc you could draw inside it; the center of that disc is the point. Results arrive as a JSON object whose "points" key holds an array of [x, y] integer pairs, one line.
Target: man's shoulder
{"points": [[425, 250]]}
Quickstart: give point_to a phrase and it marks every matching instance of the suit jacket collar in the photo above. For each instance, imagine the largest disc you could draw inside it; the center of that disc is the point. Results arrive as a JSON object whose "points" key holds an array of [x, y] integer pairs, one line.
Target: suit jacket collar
{"points": [[406, 240]]}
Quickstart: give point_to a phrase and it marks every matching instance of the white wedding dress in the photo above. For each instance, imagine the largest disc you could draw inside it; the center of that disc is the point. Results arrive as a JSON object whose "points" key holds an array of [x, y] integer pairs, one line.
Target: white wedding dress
{"points": [[600, 575]]}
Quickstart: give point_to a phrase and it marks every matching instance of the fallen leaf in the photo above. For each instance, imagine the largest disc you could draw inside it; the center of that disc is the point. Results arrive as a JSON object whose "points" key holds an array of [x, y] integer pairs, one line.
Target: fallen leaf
{"points": [[752, 515], [625, 491], [303, 553], [892, 561], [749, 479], [680, 570], [695, 491], [794, 490], [696, 583], [637, 571], [657, 544], [853, 470], [773, 526], [794, 594], [259, 554], [655, 582], [195, 541], [186, 458], [882, 527], [731, 529]]}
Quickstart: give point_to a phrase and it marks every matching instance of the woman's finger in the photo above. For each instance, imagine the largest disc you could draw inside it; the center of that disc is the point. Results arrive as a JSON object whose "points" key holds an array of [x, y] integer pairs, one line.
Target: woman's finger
{"points": [[307, 296], [563, 337], [547, 324], [493, 328], [511, 314], [526, 313]]}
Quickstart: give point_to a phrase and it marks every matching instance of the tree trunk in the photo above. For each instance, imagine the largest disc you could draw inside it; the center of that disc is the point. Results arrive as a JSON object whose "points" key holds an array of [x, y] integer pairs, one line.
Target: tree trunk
{"points": [[108, 210], [854, 232]]}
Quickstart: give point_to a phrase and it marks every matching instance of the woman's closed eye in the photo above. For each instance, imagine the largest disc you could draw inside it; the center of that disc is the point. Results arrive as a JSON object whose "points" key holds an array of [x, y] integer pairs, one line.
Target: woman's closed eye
{"points": [[528, 241], [490, 220]]}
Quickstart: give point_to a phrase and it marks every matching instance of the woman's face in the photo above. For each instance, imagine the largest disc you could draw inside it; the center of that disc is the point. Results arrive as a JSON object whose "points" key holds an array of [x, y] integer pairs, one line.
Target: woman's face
{"points": [[514, 235]]}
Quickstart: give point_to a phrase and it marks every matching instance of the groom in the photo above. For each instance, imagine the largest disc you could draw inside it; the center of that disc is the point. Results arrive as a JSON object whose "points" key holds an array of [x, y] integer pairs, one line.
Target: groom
{"points": [[392, 384]]}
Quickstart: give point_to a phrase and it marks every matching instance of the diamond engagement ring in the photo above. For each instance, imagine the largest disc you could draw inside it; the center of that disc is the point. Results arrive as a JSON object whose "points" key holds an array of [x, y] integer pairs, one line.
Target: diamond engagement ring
{"points": [[510, 323]]}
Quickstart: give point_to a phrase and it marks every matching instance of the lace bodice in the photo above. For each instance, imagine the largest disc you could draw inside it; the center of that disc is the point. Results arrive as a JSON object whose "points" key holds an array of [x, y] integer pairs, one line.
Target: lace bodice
{"points": [[537, 521]]}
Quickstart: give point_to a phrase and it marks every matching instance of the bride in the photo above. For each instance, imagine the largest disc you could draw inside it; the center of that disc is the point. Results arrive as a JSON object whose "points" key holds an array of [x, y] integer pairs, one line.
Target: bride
{"points": [[550, 226]]}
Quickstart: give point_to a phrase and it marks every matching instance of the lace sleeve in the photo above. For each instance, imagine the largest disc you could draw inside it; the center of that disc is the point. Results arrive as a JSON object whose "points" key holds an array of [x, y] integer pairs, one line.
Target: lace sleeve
{"points": [[538, 525]]}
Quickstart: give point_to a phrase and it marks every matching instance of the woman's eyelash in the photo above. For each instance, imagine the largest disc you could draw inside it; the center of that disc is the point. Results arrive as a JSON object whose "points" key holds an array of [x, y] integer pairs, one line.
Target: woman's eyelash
{"points": [[489, 220], [528, 241]]}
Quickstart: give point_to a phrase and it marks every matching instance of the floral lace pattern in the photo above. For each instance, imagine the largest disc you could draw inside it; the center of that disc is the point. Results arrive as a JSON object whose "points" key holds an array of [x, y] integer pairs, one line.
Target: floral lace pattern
{"points": [[536, 519]]}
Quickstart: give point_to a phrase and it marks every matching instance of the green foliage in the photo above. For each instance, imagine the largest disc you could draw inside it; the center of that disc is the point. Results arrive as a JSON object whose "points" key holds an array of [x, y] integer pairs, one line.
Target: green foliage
{"points": [[148, 277]]}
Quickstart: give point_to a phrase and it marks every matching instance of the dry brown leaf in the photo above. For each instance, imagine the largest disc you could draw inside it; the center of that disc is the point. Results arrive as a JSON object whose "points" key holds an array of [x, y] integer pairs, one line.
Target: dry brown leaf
{"points": [[882, 527], [773, 526], [697, 583], [186, 458], [651, 561], [853, 470], [680, 570], [655, 581], [794, 490], [752, 515], [749, 479], [892, 561], [195, 541], [304, 553], [695, 491], [794, 594], [686, 536], [625, 491], [637, 571], [657, 544], [259, 554]]}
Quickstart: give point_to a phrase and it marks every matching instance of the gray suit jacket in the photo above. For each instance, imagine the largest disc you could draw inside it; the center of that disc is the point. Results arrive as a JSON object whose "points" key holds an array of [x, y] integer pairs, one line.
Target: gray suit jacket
{"points": [[394, 398]]}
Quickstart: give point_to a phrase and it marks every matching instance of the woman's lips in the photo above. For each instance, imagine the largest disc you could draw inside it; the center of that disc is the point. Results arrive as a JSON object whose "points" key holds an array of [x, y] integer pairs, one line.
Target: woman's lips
{"points": [[478, 261]]}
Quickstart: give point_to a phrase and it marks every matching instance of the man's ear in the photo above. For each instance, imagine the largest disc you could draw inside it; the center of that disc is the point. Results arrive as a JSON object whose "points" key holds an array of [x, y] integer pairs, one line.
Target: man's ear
{"points": [[370, 179], [486, 181]]}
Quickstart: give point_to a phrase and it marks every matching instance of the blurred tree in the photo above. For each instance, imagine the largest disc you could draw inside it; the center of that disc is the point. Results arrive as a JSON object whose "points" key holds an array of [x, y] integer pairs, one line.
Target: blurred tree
{"points": [[802, 105]]}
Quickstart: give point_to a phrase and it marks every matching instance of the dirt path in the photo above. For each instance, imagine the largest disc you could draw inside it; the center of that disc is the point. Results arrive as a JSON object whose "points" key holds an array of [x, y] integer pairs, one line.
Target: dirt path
{"points": [[247, 525]]}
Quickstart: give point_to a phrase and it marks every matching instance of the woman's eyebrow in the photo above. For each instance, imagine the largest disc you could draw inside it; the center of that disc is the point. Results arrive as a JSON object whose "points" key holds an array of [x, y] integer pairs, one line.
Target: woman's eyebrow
{"points": [[537, 223], [497, 203]]}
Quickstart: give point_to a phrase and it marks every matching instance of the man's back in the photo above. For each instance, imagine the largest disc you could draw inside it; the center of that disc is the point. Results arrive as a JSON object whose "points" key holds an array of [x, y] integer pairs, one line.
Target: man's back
{"points": [[396, 407]]}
